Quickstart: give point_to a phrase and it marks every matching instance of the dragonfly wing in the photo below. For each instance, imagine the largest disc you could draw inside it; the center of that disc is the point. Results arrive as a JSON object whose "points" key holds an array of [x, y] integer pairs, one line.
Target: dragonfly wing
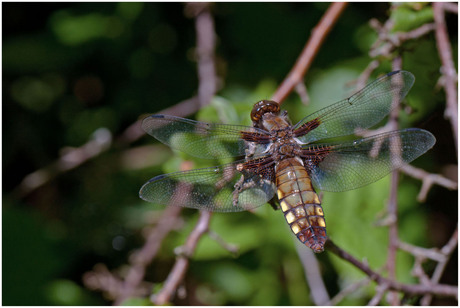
{"points": [[205, 140], [341, 167], [228, 188], [360, 111]]}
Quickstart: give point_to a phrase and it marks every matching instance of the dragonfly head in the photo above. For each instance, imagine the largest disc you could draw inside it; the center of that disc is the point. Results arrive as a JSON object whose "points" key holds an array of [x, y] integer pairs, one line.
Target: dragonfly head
{"points": [[263, 107]]}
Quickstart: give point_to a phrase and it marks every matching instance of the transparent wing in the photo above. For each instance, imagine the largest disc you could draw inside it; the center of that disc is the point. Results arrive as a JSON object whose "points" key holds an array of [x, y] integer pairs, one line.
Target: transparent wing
{"points": [[340, 167], [360, 111], [234, 187], [203, 139]]}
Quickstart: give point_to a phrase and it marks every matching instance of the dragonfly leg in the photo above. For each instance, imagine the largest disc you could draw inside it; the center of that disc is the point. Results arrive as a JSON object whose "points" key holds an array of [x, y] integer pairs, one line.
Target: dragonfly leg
{"points": [[274, 203]]}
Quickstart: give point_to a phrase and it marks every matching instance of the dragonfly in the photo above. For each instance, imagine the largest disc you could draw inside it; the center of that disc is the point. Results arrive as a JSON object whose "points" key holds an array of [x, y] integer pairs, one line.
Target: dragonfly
{"points": [[288, 163]]}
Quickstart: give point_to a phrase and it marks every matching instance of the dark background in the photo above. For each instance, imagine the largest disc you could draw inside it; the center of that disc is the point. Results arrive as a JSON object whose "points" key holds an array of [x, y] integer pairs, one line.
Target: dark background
{"points": [[70, 69]]}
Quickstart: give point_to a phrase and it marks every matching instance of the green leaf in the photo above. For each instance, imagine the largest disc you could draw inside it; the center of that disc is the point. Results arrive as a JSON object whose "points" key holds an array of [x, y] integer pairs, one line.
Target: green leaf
{"points": [[136, 301], [63, 292], [407, 17]]}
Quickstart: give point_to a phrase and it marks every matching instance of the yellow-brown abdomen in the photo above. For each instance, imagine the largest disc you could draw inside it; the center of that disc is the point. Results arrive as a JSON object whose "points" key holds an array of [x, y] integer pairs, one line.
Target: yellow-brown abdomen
{"points": [[300, 203]]}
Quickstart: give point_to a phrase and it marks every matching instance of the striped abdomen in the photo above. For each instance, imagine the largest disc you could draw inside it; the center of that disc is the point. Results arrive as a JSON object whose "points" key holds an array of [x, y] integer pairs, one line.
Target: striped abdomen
{"points": [[300, 203]]}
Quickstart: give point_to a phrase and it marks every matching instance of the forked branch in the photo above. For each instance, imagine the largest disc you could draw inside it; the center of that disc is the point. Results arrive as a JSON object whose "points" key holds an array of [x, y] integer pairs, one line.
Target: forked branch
{"points": [[435, 289], [179, 269]]}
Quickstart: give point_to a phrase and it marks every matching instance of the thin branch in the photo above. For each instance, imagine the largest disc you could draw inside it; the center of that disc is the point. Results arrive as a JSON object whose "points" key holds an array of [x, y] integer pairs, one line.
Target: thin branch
{"points": [[182, 109], [387, 41], [179, 269], [417, 271], [364, 77], [451, 7], [448, 68], [416, 33], [100, 142], [101, 279], [302, 91], [206, 43], [447, 250], [70, 158], [141, 259], [392, 206], [429, 253], [233, 249], [435, 289], [381, 289], [313, 276], [428, 179], [351, 288], [318, 35]]}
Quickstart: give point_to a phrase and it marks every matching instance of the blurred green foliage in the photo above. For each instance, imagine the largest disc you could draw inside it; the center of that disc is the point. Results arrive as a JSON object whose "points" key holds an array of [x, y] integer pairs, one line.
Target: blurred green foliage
{"points": [[407, 17], [72, 68]]}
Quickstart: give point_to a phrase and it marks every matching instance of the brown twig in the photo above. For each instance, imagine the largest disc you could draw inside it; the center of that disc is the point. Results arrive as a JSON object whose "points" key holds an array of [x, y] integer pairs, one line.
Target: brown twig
{"points": [[70, 159], [231, 248], [181, 109], [318, 35], [364, 76], [417, 271], [414, 34], [177, 273], [387, 41], [141, 259], [348, 290], [100, 142], [392, 209], [302, 91], [435, 289], [430, 253], [381, 289], [101, 279], [206, 42], [428, 179], [392, 205], [312, 273], [451, 7], [447, 250], [442, 256], [448, 68]]}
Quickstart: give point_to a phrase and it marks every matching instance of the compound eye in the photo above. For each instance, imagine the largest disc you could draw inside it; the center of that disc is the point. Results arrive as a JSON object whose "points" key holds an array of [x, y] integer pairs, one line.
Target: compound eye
{"points": [[262, 107]]}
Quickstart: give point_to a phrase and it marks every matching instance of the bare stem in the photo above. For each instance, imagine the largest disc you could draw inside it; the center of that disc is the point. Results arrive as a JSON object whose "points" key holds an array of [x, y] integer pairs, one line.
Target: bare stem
{"points": [[312, 272], [381, 289], [448, 68], [428, 179], [348, 290], [435, 289], [179, 269], [141, 259], [206, 42], [447, 250], [318, 35]]}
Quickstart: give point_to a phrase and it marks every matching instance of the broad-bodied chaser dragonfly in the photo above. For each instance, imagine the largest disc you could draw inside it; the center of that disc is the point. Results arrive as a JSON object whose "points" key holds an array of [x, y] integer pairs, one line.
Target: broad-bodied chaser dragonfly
{"points": [[289, 161]]}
